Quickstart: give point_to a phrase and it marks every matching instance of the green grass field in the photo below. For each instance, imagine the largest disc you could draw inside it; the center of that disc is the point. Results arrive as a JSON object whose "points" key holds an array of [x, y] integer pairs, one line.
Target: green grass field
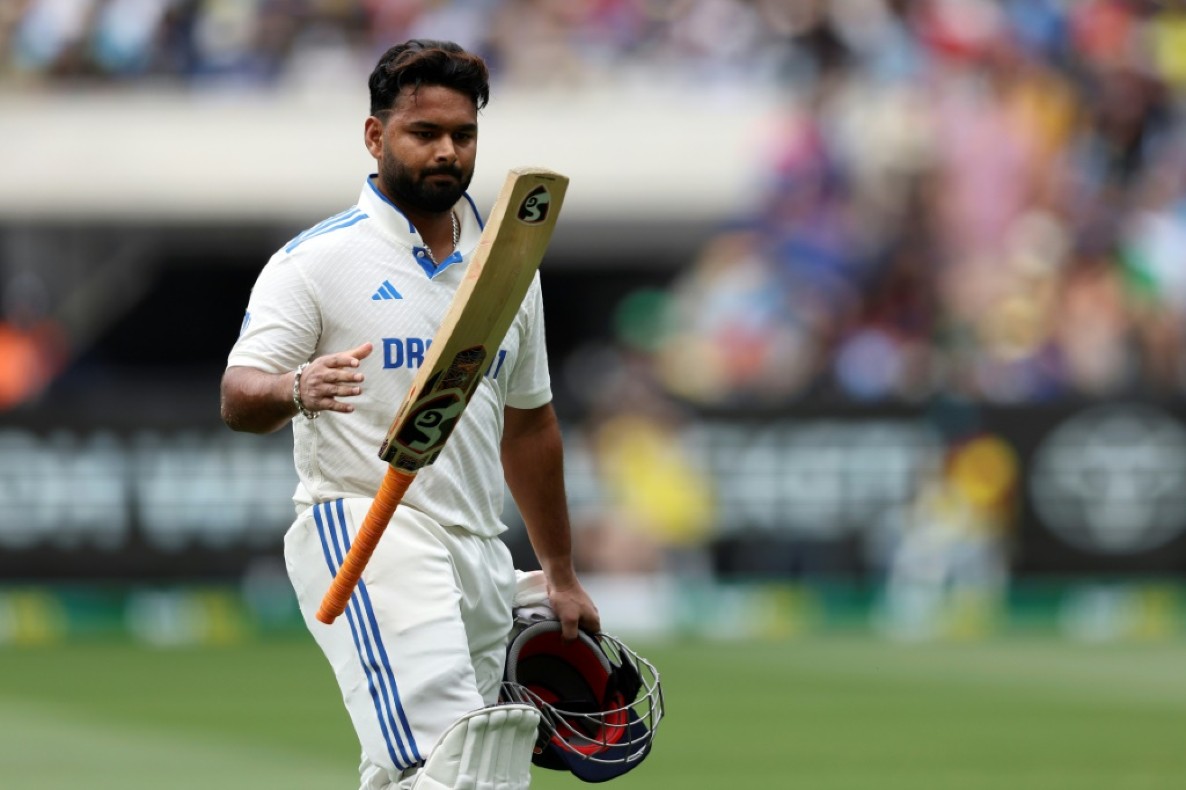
{"points": [[831, 713]]}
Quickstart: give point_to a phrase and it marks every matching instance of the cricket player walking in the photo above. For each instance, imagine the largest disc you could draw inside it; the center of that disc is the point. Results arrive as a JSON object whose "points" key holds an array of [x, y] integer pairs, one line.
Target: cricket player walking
{"points": [[336, 327]]}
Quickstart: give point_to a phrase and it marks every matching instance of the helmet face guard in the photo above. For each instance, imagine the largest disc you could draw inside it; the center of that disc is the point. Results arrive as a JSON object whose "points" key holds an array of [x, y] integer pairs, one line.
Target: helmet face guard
{"points": [[599, 701]]}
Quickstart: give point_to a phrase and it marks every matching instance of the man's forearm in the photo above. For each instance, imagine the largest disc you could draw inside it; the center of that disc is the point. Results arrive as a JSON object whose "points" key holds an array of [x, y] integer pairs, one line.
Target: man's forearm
{"points": [[255, 401], [533, 462]]}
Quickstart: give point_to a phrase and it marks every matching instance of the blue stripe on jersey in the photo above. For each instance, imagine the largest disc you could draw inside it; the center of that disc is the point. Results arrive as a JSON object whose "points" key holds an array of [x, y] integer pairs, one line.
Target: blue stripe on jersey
{"points": [[323, 516], [339, 216], [426, 264], [411, 227], [477, 214], [304, 234], [342, 221], [387, 200]]}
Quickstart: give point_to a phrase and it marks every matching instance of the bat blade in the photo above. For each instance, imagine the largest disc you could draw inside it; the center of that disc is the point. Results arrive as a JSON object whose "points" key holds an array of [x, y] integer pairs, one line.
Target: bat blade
{"points": [[496, 280]]}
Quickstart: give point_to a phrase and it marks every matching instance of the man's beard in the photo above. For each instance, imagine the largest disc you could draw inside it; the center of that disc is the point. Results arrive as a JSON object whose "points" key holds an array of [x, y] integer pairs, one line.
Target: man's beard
{"points": [[417, 192]]}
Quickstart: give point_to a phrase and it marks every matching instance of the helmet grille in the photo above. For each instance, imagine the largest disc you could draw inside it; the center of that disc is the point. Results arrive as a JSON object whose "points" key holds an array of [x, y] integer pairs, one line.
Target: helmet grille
{"points": [[600, 702]]}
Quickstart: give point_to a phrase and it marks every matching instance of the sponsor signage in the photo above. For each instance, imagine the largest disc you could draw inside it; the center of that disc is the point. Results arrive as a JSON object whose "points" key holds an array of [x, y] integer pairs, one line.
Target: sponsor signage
{"points": [[1101, 489]]}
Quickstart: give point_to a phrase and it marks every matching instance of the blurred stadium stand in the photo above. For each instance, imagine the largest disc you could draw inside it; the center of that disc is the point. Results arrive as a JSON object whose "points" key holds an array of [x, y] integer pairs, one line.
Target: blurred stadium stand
{"points": [[886, 292]]}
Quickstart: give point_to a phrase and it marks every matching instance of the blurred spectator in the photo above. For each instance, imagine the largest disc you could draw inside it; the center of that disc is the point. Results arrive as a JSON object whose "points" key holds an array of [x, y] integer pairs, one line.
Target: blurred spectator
{"points": [[948, 572], [33, 346], [654, 504]]}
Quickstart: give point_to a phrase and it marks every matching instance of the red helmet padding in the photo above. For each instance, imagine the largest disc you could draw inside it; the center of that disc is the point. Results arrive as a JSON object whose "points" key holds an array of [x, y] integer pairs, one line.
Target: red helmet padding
{"points": [[588, 695], [571, 677], [577, 653]]}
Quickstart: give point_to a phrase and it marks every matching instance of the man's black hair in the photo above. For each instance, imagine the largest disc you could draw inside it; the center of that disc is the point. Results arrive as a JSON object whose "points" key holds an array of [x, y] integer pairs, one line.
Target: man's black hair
{"points": [[422, 62]]}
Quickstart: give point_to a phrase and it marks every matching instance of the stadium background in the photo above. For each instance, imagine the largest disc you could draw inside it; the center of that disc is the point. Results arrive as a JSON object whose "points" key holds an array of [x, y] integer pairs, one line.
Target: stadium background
{"points": [[867, 326]]}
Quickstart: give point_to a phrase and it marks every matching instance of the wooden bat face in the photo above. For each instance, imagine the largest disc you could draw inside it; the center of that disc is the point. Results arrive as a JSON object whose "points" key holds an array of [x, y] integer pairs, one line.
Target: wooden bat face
{"points": [[496, 280]]}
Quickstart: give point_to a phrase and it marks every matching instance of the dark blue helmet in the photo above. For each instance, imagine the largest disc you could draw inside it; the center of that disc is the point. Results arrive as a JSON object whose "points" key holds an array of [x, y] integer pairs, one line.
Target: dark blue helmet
{"points": [[600, 703]]}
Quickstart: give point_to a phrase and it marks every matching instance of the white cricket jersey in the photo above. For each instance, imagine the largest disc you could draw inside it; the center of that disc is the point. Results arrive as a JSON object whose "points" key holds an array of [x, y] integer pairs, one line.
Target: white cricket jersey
{"points": [[364, 276]]}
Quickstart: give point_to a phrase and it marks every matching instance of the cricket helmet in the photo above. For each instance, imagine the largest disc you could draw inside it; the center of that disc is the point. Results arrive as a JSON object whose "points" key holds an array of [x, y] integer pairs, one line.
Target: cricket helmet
{"points": [[600, 702]]}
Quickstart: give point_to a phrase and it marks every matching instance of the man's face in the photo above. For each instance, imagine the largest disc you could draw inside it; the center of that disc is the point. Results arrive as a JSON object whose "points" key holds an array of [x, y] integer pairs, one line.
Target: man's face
{"points": [[426, 146]]}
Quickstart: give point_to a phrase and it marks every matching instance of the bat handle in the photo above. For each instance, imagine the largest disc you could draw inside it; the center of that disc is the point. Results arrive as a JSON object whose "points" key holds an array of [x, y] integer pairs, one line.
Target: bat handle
{"points": [[395, 483]]}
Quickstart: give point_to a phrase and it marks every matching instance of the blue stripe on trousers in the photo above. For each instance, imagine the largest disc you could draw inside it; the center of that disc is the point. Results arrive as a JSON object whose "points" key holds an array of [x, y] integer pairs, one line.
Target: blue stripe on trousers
{"points": [[378, 638], [333, 559]]}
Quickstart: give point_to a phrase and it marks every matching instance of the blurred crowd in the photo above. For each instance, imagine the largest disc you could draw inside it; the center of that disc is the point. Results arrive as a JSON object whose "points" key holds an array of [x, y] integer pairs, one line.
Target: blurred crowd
{"points": [[978, 197], [273, 41], [982, 199]]}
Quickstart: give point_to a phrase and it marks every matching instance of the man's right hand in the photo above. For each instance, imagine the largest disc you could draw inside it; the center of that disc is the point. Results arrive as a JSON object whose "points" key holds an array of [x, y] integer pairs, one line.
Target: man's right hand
{"points": [[259, 402], [333, 376]]}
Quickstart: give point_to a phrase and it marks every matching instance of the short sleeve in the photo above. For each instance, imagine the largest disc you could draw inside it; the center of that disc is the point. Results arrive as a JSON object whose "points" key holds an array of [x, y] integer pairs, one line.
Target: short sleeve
{"points": [[530, 385], [283, 320]]}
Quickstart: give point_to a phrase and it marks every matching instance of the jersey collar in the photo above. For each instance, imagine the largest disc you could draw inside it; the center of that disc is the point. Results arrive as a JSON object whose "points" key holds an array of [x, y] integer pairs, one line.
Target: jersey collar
{"points": [[397, 225]]}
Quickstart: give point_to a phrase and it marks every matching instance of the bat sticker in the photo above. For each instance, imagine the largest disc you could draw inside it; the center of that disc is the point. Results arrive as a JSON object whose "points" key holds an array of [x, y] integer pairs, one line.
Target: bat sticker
{"points": [[534, 208], [430, 422], [466, 370]]}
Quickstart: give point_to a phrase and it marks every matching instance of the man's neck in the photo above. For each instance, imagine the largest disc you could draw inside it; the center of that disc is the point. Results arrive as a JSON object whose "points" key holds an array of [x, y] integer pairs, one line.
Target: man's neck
{"points": [[436, 228], [439, 231]]}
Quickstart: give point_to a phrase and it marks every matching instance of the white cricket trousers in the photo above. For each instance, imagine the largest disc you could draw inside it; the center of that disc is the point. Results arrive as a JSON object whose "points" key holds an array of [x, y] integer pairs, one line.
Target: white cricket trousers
{"points": [[423, 639]]}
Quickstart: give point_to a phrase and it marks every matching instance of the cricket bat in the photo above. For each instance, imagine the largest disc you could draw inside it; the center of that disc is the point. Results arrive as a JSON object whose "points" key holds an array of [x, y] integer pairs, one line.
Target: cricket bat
{"points": [[496, 280]]}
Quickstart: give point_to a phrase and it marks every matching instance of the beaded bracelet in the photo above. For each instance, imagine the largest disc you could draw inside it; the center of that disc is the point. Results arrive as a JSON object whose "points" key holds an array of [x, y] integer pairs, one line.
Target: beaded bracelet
{"points": [[296, 393]]}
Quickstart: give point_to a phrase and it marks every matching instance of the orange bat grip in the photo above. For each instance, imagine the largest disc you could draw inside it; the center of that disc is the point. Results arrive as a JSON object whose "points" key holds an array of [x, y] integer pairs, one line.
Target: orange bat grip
{"points": [[395, 483]]}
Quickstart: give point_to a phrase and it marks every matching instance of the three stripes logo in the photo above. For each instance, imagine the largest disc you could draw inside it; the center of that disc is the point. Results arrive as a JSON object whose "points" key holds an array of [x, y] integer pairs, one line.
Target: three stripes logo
{"points": [[386, 291], [344, 220], [534, 208]]}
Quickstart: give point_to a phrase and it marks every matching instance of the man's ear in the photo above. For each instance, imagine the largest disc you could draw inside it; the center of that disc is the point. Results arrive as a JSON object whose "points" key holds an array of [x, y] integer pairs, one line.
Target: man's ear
{"points": [[372, 136]]}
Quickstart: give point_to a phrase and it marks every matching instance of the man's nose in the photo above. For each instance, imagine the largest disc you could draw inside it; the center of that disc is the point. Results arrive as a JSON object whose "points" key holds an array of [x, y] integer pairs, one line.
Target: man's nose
{"points": [[445, 150]]}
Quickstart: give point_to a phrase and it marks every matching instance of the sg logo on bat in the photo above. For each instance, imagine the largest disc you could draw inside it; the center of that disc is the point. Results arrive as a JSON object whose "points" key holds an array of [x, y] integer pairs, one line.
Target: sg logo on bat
{"points": [[534, 208], [430, 422]]}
